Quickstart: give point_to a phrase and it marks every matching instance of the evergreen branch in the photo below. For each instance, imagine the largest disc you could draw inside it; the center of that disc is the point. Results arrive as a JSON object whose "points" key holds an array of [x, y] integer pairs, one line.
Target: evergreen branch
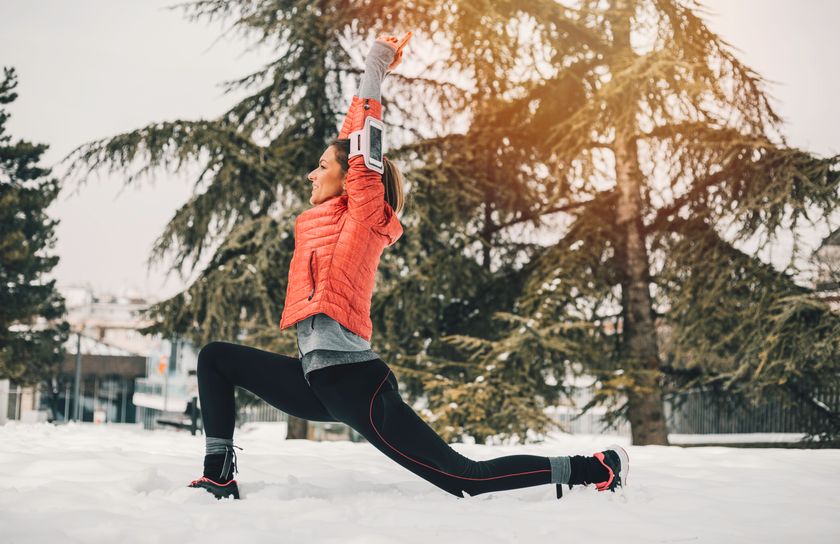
{"points": [[238, 165]]}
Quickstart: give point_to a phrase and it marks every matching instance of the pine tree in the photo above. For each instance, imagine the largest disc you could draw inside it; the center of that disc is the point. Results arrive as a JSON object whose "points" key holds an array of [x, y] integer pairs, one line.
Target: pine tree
{"points": [[453, 299], [607, 122], [565, 116], [253, 184], [31, 335]]}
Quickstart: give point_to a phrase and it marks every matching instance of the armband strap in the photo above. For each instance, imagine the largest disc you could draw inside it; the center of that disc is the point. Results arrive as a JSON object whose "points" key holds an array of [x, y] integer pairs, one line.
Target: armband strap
{"points": [[369, 142]]}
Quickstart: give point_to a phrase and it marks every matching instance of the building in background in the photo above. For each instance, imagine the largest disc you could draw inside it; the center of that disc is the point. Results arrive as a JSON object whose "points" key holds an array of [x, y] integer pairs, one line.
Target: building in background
{"points": [[111, 319], [125, 376], [164, 382], [110, 352], [106, 384], [169, 382]]}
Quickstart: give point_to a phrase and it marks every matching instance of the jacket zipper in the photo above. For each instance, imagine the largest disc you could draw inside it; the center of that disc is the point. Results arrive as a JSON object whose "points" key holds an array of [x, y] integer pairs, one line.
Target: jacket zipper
{"points": [[311, 275]]}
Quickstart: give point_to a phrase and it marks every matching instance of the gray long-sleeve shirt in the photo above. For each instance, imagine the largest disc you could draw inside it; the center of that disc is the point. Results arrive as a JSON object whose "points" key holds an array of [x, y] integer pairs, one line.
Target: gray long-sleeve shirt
{"points": [[323, 341]]}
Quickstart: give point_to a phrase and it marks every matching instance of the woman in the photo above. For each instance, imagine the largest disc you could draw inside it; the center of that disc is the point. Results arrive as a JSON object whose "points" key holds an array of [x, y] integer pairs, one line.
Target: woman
{"points": [[337, 376]]}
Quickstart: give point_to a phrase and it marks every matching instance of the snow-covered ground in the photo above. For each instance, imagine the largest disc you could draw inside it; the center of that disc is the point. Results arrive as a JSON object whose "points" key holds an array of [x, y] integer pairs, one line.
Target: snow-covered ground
{"points": [[120, 484]]}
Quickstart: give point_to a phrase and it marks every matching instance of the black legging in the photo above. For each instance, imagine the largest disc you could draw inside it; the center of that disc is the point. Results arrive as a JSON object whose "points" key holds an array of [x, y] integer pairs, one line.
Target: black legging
{"points": [[365, 397]]}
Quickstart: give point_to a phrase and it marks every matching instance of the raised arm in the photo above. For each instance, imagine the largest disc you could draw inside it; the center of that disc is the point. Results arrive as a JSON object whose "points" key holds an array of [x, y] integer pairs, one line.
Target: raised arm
{"points": [[365, 192]]}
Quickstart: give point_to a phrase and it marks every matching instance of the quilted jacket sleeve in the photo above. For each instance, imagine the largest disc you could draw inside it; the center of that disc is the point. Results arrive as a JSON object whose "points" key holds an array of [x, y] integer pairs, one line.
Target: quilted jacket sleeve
{"points": [[365, 192]]}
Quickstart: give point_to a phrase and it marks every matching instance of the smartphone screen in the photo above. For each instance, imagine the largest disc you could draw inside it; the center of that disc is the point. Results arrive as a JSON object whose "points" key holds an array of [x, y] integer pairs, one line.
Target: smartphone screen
{"points": [[375, 144]]}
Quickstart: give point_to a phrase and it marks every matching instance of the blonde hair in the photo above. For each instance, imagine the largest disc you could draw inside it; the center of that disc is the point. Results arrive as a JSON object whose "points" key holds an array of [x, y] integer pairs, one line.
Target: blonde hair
{"points": [[392, 178]]}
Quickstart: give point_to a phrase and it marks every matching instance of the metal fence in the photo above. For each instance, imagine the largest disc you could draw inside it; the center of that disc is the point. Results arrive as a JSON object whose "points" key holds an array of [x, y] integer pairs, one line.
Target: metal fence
{"points": [[570, 420], [318, 430], [691, 412], [259, 412], [13, 406], [695, 412]]}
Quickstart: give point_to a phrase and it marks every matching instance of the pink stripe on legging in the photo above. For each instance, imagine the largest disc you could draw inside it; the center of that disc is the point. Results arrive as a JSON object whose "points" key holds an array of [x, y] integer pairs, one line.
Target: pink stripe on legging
{"points": [[424, 464]]}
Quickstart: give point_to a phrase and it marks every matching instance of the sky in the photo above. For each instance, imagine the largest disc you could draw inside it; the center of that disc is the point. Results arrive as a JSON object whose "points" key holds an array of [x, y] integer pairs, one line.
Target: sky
{"points": [[92, 69]]}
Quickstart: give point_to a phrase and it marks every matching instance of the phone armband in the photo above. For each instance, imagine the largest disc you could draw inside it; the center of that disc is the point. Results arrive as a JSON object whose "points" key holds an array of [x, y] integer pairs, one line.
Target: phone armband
{"points": [[369, 142]]}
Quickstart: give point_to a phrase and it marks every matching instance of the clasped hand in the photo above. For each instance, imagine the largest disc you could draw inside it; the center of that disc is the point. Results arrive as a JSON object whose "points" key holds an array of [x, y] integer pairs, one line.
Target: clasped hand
{"points": [[397, 45]]}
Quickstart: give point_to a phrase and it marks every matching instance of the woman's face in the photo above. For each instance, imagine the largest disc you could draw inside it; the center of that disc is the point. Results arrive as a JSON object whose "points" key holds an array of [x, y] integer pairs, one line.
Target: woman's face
{"points": [[327, 179]]}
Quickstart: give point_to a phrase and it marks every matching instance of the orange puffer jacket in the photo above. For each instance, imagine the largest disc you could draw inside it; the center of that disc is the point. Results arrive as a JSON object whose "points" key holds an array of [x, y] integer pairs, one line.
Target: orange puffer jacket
{"points": [[338, 243]]}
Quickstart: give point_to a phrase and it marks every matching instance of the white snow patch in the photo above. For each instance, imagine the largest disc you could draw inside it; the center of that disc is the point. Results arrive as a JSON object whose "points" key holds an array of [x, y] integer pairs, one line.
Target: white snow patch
{"points": [[112, 483]]}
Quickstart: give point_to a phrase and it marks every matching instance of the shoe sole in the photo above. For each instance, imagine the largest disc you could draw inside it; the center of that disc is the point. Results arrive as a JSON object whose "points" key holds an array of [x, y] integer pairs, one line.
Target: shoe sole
{"points": [[624, 471], [219, 491]]}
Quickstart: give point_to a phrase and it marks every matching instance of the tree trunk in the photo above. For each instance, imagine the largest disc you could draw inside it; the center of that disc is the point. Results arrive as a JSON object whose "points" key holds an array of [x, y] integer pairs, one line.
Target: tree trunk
{"points": [[297, 428], [639, 349]]}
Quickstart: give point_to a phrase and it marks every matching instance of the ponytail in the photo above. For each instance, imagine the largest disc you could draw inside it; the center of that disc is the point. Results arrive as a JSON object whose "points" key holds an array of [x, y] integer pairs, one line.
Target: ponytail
{"points": [[392, 178]]}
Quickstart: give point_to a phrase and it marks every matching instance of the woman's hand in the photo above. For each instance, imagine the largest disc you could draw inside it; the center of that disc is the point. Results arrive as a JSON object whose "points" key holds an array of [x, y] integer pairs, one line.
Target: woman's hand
{"points": [[397, 45]]}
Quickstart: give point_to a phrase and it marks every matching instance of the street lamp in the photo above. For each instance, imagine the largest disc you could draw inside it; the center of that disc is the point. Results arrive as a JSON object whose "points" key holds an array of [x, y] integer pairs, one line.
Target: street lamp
{"points": [[78, 377]]}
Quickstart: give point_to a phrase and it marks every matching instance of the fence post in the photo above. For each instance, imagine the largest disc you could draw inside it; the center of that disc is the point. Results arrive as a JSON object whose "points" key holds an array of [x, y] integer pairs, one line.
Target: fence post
{"points": [[4, 400]]}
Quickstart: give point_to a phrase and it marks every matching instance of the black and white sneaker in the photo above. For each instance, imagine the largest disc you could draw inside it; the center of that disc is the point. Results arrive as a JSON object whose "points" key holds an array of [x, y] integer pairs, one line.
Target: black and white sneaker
{"points": [[618, 464], [219, 490], [226, 486]]}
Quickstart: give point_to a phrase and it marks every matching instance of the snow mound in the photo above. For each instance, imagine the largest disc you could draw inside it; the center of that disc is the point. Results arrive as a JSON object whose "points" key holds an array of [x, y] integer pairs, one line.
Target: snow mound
{"points": [[105, 483]]}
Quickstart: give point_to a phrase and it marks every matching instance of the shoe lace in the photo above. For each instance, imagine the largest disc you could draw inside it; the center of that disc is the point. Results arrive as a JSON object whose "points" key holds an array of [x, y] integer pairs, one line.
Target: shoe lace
{"points": [[230, 459]]}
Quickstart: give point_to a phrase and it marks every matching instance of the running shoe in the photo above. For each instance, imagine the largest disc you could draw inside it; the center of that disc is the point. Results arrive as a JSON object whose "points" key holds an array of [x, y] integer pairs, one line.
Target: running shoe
{"points": [[228, 486], [617, 462], [219, 490]]}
